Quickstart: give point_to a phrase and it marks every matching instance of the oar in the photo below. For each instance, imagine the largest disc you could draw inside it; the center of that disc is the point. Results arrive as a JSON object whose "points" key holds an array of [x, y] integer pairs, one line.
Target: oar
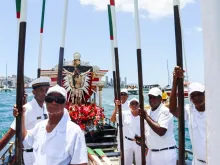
{"points": [[94, 156], [18, 13], [41, 38], [112, 3], [103, 156], [20, 82], [61, 54], [179, 58], [112, 49], [140, 79]]}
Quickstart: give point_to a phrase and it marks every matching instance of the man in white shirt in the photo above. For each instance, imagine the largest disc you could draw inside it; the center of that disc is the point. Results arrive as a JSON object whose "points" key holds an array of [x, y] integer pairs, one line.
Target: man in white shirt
{"points": [[35, 112], [194, 114], [56, 140], [159, 131]]}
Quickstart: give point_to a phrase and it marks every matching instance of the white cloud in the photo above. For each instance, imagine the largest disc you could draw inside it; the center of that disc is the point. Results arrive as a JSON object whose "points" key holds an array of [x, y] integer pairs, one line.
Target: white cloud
{"points": [[154, 8], [198, 29]]}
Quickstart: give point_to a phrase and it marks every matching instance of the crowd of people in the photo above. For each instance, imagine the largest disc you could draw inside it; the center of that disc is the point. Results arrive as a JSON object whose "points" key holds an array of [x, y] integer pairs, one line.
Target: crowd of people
{"points": [[50, 137]]}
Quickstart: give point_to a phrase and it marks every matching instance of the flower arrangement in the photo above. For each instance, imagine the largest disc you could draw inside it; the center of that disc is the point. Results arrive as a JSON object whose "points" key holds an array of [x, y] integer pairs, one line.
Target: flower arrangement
{"points": [[86, 115]]}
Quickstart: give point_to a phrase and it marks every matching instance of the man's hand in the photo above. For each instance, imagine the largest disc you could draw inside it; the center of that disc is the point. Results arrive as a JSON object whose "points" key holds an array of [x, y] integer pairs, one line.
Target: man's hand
{"points": [[142, 113], [178, 73], [15, 111]]}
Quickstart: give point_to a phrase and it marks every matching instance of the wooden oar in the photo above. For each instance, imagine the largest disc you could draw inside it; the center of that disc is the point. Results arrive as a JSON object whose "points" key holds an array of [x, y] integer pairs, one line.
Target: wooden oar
{"points": [[103, 156], [179, 59], [93, 156], [117, 76], [41, 38], [20, 82], [140, 80]]}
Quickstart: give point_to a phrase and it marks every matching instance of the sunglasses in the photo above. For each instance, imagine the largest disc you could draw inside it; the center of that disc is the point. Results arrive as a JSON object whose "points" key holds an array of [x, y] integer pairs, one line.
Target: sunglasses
{"points": [[134, 103], [58, 100], [123, 94]]}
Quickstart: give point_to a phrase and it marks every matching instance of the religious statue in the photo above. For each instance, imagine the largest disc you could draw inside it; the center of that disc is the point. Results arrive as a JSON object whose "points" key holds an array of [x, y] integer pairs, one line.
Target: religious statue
{"points": [[76, 82]]}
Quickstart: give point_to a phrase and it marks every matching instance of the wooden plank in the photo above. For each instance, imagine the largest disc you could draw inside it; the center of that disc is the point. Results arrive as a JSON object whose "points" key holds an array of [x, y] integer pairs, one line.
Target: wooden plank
{"points": [[103, 156], [112, 154], [102, 144]]}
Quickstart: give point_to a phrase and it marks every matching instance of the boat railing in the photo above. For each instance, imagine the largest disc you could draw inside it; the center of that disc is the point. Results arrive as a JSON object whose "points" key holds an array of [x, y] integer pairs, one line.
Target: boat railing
{"points": [[6, 153]]}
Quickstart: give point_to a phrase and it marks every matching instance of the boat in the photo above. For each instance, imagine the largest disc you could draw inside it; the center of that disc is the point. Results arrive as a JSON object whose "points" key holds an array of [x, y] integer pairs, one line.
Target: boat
{"points": [[146, 88], [168, 90], [132, 89]]}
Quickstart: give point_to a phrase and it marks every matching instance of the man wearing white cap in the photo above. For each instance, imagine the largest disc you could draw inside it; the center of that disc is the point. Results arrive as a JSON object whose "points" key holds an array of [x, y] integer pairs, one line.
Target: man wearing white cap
{"points": [[35, 112], [194, 114], [159, 131], [56, 140], [124, 104]]}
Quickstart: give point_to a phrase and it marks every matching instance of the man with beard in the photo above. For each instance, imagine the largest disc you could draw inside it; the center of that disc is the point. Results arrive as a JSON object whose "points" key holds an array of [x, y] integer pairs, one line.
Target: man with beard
{"points": [[194, 114], [159, 131]]}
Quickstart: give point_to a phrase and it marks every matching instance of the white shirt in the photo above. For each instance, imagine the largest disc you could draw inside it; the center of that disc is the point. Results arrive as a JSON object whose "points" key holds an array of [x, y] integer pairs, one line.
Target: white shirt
{"points": [[64, 145], [164, 118], [125, 106], [33, 115], [131, 126], [197, 130]]}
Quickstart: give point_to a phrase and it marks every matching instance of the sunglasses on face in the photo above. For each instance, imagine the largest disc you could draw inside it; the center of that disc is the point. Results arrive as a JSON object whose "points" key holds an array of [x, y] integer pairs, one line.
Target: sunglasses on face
{"points": [[123, 94], [58, 100], [134, 103]]}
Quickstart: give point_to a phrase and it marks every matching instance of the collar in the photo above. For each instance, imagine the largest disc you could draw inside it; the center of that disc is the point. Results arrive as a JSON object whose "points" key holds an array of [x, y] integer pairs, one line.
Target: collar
{"points": [[157, 108], [61, 126]]}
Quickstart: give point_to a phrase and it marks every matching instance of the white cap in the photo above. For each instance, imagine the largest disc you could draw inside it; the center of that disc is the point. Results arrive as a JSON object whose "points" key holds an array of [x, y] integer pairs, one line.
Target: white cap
{"points": [[196, 87], [76, 56], [41, 81], [155, 92], [124, 91], [134, 99], [57, 89]]}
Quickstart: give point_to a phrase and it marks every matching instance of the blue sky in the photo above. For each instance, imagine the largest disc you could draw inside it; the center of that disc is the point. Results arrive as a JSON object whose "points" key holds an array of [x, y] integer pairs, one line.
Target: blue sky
{"points": [[88, 33]]}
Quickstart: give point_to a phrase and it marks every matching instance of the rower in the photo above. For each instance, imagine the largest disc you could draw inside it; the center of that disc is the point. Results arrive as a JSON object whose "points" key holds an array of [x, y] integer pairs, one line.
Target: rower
{"points": [[194, 114], [159, 131], [56, 140], [36, 111]]}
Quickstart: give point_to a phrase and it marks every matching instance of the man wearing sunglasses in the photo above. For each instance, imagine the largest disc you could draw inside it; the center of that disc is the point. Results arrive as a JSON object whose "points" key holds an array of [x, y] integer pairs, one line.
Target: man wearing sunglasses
{"points": [[194, 114], [35, 112], [159, 131], [56, 140]]}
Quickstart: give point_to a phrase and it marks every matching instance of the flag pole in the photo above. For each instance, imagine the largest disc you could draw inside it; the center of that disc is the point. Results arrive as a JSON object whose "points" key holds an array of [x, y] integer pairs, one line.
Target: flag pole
{"points": [[117, 77], [20, 81], [179, 58], [140, 79], [41, 38], [61, 55]]}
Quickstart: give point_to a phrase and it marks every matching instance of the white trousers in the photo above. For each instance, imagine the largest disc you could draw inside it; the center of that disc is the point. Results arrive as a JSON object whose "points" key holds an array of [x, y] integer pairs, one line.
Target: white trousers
{"points": [[165, 157], [28, 158], [128, 155]]}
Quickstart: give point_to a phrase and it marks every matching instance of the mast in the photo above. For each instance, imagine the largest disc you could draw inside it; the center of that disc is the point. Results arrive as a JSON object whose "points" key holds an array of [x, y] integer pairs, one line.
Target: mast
{"points": [[211, 49], [179, 58], [6, 77], [20, 82], [61, 55], [41, 38], [140, 79], [117, 77]]}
